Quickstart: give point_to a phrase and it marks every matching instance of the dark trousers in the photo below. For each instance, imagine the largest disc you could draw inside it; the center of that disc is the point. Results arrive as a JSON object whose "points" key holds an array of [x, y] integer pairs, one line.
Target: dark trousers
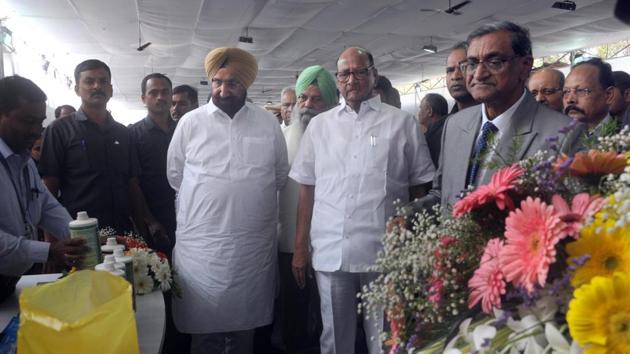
{"points": [[299, 310], [175, 342]]}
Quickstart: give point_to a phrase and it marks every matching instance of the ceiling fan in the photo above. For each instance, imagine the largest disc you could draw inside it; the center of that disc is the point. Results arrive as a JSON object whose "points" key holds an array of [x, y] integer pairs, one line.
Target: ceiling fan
{"points": [[451, 10]]}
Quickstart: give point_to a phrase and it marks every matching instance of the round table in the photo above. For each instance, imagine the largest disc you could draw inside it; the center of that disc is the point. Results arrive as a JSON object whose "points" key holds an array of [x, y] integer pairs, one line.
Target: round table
{"points": [[150, 320]]}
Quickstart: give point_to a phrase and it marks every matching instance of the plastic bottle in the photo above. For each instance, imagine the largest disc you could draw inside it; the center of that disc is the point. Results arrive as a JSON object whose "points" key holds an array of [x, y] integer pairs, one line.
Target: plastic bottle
{"points": [[86, 228], [120, 257], [110, 265], [111, 246]]}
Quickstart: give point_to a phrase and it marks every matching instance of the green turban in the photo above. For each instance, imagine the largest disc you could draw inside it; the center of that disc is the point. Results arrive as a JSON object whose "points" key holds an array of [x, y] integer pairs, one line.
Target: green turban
{"points": [[325, 82]]}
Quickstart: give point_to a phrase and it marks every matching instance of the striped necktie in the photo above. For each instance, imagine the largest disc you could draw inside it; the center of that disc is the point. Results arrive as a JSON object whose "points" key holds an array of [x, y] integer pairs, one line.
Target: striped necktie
{"points": [[482, 144]]}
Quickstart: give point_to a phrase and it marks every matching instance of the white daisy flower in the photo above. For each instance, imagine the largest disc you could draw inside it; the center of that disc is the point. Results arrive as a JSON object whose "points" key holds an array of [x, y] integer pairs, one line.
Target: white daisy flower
{"points": [[144, 284]]}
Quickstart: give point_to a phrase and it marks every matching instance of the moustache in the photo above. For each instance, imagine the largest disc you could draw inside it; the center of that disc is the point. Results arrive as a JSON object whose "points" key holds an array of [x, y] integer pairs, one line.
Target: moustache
{"points": [[305, 115], [572, 108], [97, 93]]}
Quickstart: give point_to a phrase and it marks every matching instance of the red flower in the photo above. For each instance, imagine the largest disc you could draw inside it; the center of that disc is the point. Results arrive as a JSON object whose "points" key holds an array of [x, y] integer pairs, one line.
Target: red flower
{"points": [[496, 191], [435, 291]]}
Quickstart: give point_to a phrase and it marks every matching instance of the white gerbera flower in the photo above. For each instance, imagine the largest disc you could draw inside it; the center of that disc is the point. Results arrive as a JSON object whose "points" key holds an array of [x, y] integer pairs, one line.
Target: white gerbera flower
{"points": [[139, 268], [163, 274], [144, 284], [154, 261], [165, 285]]}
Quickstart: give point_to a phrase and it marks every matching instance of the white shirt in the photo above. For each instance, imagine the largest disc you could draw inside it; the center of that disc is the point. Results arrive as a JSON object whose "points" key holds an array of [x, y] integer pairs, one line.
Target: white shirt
{"points": [[227, 173], [502, 121], [359, 164], [288, 197]]}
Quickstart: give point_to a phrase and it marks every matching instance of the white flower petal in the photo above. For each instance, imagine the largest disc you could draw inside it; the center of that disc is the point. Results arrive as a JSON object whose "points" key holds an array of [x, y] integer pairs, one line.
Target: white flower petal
{"points": [[556, 340], [452, 351], [575, 348], [483, 333], [532, 347]]}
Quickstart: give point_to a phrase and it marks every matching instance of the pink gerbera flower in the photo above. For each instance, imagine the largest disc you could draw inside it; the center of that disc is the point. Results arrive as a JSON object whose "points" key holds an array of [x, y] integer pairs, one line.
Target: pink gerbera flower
{"points": [[487, 284], [582, 207], [495, 191], [531, 234]]}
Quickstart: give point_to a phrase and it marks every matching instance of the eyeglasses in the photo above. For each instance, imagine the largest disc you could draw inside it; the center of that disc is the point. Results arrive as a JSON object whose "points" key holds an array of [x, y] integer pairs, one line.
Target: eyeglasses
{"points": [[451, 69], [315, 99], [360, 74], [231, 84], [494, 65], [580, 92], [546, 91]]}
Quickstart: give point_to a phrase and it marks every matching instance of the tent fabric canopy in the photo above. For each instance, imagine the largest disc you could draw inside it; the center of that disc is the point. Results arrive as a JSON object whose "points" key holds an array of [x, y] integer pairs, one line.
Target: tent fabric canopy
{"points": [[290, 35]]}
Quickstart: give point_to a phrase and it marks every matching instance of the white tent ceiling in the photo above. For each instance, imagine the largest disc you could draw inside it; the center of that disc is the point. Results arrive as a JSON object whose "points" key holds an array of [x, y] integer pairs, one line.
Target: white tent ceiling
{"points": [[290, 34]]}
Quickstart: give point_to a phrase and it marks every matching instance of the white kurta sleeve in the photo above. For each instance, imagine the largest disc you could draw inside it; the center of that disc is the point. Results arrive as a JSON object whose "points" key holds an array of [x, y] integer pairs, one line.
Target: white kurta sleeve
{"points": [[303, 167], [282, 162], [176, 156]]}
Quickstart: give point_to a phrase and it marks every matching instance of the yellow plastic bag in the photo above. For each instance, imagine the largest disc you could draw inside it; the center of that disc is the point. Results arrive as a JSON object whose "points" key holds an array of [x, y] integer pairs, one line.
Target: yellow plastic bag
{"points": [[85, 313]]}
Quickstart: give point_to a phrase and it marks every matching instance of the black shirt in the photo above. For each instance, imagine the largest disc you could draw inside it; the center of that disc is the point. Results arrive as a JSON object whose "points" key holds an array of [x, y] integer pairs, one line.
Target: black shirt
{"points": [[433, 137], [151, 145], [94, 165]]}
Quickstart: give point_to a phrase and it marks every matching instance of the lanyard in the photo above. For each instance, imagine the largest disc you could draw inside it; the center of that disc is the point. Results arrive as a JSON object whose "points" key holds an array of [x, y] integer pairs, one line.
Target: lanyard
{"points": [[23, 206]]}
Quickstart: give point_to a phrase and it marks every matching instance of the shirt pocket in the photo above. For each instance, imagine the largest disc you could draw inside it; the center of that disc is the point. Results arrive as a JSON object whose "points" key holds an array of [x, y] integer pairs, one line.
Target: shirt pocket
{"points": [[258, 151], [377, 155], [119, 157], [78, 156]]}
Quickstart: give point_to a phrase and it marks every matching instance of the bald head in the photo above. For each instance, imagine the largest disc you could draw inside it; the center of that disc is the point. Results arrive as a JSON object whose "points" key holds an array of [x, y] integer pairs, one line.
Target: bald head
{"points": [[546, 86]]}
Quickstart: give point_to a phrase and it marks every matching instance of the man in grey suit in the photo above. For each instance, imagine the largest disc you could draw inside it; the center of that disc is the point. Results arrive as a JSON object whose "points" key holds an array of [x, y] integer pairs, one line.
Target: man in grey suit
{"points": [[508, 124]]}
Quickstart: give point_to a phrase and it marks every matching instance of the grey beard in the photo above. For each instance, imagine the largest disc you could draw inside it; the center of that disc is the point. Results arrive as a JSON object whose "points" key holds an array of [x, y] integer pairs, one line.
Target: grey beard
{"points": [[303, 116]]}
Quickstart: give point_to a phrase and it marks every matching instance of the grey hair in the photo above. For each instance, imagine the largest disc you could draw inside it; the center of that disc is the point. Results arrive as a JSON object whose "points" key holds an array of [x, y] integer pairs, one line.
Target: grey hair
{"points": [[521, 43], [460, 45], [287, 89]]}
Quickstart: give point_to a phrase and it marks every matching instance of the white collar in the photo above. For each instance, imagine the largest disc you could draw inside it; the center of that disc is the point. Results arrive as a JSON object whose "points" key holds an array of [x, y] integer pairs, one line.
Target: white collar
{"points": [[501, 121], [211, 108], [372, 103]]}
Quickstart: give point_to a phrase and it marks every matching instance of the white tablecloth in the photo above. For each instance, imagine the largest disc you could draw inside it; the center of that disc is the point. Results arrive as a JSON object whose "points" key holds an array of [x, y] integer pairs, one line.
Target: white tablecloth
{"points": [[149, 313]]}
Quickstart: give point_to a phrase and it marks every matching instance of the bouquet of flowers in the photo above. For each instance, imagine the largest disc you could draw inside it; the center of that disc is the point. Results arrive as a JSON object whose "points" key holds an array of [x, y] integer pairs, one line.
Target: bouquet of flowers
{"points": [[151, 269], [536, 261]]}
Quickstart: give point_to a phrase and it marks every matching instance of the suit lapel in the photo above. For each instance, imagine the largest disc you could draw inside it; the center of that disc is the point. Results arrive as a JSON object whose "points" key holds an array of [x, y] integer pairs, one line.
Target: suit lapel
{"points": [[464, 144], [518, 135]]}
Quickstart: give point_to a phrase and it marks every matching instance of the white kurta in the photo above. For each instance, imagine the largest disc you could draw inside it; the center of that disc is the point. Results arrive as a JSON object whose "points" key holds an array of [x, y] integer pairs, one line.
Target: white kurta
{"points": [[227, 173], [359, 164], [288, 196]]}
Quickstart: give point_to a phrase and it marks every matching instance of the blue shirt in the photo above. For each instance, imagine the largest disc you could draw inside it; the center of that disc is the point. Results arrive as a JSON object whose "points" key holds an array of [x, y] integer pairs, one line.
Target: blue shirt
{"points": [[19, 248]]}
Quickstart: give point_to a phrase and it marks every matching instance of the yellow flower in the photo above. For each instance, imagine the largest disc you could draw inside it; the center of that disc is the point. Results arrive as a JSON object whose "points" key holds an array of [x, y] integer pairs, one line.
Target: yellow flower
{"points": [[608, 252], [599, 315]]}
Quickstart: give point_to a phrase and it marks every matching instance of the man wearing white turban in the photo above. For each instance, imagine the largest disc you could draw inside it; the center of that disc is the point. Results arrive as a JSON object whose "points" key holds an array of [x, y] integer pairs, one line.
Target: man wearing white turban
{"points": [[227, 160]]}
